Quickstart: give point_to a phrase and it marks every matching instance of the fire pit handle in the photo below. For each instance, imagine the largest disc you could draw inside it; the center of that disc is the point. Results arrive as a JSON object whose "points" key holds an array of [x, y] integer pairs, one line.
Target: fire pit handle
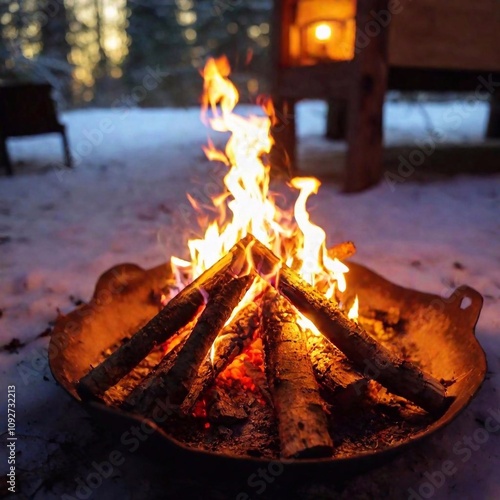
{"points": [[467, 303]]}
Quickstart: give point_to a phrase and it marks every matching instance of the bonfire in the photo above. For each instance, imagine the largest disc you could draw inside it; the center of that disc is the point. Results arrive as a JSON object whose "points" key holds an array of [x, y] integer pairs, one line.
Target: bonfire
{"points": [[260, 317]]}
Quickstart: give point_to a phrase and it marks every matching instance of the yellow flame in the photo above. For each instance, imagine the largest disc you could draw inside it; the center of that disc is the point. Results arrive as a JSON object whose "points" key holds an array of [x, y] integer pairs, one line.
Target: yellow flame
{"points": [[212, 352], [316, 265], [313, 236], [247, 206], [354, 310], [247, 181]]}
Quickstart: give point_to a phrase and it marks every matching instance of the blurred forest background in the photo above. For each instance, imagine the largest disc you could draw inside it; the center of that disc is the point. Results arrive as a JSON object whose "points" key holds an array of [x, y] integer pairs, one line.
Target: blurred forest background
{"points": [[98, 52]]}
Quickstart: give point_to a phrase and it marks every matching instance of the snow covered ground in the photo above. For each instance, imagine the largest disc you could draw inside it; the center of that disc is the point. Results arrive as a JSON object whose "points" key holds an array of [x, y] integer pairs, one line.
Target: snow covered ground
{"points": [[125, 202]]}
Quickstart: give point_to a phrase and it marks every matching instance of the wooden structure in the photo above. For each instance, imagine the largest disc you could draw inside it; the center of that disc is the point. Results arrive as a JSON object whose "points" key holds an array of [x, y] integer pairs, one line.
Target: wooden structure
{"points": [[27, 109], [445, 45]]}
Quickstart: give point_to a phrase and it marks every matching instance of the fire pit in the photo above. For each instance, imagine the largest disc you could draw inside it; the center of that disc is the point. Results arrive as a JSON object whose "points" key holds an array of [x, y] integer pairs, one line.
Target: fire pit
{"points": [[267, 345], [438, 331]]}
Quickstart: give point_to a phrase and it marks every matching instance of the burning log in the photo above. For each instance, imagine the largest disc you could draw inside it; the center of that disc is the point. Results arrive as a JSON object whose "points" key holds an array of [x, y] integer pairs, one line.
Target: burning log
{"points": [[302, 424], [179, 311], [342, 251], [335, 373], [176, 382], [231, 341], [164, 366], [397, 375]]}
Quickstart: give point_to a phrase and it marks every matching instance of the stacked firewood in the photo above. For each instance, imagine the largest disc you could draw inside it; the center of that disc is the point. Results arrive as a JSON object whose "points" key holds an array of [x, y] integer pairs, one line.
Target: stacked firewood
{"points": [[295, 360]]}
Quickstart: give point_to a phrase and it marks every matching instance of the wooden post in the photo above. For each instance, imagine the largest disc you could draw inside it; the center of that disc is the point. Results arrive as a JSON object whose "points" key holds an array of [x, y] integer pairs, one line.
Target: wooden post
{"points": [[67, 152], [336, 120], [493, 130], [4, 156], [283, 153], [366, 99]]}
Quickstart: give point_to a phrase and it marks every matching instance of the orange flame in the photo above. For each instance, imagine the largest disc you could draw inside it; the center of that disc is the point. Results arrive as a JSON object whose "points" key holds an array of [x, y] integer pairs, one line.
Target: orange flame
{"points": [[251, 205]]}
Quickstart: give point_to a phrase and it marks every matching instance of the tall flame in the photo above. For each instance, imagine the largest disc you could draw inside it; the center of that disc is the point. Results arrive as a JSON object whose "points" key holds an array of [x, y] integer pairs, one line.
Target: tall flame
{"points": [[251, 206], [247, 180]]}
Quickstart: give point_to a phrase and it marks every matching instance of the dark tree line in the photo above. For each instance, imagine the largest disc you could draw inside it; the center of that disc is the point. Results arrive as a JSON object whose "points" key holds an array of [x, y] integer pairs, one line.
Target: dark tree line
{"points": [[91, 51]]}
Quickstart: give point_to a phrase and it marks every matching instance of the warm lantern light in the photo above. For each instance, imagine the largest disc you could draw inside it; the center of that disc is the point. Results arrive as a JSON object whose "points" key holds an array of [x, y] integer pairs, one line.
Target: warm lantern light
{"points": [[323, 32], [317, 31]]}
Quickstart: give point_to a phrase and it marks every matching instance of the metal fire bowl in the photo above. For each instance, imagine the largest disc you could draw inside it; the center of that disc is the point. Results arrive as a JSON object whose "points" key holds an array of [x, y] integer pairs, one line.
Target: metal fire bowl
{"points": [[441, 328]]}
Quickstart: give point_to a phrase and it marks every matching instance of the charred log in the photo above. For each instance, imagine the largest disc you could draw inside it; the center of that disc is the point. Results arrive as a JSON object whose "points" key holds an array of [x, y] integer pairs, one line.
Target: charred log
{"points": [[176, 382], [302, 423], [222, 410], [399, 376], [229, 344], [179, 311], [339, 380], [164, 366]]}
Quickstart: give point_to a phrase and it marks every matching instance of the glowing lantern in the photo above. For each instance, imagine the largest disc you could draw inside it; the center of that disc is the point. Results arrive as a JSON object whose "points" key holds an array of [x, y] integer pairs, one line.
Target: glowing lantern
{"points": [[316, 31], [323, 32]]}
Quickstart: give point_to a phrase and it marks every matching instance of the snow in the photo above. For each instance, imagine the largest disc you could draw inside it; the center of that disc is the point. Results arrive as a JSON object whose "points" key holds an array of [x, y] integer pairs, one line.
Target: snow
{"points": [[125, 202]]}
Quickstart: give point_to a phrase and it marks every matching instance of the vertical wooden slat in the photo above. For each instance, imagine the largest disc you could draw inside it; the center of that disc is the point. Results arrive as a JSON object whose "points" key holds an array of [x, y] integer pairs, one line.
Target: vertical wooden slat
{"points": [[366, 99]]}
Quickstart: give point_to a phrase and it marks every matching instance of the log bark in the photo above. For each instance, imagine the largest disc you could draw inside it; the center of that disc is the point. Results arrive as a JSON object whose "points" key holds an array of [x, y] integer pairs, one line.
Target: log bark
{"points": [[179, 311], [302, 423], [229, 344], [339, 380], [371, 358], [176, 382], [164, 366]]}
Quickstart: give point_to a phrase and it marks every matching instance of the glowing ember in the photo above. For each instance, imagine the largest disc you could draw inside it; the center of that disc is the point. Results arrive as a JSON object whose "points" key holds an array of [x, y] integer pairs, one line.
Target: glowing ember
{"points": [[174, 341]]}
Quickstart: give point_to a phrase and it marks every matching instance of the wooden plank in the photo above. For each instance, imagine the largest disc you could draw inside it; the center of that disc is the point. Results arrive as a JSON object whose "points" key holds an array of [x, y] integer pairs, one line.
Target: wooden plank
{"points": [[321, 81], [446, 159], [452, 34], [439, 80]]}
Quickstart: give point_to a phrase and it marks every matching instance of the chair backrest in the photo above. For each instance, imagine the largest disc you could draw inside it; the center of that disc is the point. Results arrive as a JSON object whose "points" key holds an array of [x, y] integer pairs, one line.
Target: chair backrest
{"points": [[27, 109]]}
